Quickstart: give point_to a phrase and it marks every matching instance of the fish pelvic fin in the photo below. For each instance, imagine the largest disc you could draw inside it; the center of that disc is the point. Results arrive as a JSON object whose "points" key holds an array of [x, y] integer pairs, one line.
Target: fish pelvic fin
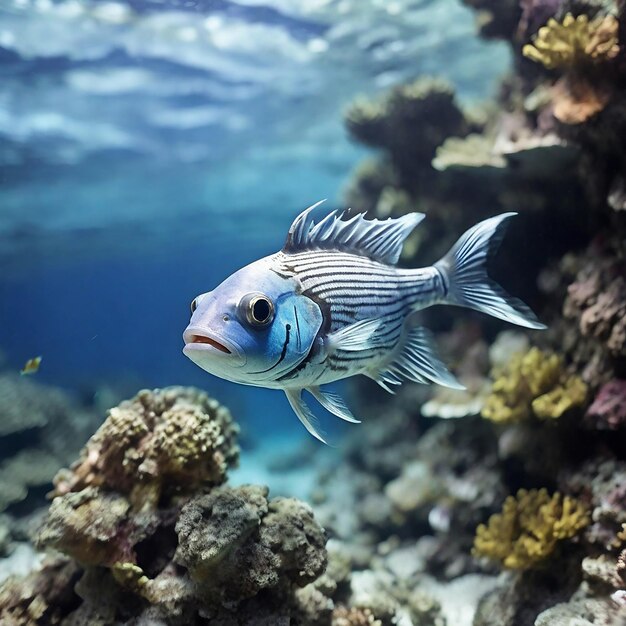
{"points": [[333, 403], [415, 359], [305, 415], [465, 279]]}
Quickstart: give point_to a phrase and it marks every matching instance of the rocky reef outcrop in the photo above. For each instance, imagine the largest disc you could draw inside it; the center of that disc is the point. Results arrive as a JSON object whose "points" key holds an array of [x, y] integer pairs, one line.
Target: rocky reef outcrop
{"points": [[143, 530]]}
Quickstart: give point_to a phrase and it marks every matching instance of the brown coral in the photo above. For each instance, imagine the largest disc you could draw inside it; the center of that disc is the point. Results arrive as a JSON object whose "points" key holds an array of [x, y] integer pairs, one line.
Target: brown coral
{"points": [[529, 528], [170, 440]]}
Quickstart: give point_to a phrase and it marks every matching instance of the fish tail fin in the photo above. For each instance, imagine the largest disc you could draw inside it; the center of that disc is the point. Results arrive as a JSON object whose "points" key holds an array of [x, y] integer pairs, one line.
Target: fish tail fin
{"points": [[465, 279]]}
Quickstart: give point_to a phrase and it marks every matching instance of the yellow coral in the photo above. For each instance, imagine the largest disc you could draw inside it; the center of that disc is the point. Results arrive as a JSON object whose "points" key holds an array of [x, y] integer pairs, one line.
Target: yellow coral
{"points": [[574, 41], [569, 394], [529, 527], [532, 383], [129, 575]]}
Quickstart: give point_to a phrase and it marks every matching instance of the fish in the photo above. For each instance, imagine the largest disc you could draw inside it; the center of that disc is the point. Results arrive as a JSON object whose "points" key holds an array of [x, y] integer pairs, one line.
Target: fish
{"points": [[31, 366], [333, 303]]}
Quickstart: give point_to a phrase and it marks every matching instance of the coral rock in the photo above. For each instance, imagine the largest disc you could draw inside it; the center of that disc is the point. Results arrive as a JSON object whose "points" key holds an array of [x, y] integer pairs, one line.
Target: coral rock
{"points": [[409, 123], [235, 542], [529, 527]]}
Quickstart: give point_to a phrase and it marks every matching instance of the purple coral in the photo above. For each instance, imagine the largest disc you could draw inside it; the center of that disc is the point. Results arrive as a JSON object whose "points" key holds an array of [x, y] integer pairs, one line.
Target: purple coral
{"points": [[608, 410]]}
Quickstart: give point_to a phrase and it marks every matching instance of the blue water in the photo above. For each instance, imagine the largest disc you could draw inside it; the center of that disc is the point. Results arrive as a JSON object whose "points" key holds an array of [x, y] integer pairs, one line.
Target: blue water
{"points": [[150, 148]]}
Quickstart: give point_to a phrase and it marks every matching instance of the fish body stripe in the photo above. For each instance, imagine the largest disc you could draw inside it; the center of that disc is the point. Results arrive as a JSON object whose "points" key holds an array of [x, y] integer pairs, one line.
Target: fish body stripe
{"points": [[352, 288]]}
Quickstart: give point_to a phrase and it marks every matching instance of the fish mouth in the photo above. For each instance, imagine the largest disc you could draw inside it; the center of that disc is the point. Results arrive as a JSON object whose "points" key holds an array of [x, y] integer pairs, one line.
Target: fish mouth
{"points": [[210, 341], [199, 340]]}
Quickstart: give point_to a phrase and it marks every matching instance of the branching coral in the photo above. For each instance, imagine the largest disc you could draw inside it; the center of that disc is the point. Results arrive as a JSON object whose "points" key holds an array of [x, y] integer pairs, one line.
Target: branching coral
{"points": [[171, 439], [529, 528], [533, 383], [575, 41]]}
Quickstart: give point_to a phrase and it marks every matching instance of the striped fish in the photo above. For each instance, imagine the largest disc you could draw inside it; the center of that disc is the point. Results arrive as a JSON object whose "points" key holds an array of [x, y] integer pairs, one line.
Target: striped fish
{"points": [[332, 304]]}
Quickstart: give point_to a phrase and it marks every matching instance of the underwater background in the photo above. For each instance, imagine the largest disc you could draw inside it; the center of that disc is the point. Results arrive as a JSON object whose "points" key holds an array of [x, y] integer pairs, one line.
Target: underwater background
{"points": [[150, 148]]}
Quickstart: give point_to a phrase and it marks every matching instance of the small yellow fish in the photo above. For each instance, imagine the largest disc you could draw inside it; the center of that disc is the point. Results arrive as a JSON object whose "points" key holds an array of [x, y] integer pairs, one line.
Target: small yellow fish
{"points": [[32, 366]]}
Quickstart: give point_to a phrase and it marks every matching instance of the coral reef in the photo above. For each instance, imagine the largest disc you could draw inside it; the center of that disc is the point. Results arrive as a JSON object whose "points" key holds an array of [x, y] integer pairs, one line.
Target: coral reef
{"points": [[529, 528], [418, 504], [194, 552]]}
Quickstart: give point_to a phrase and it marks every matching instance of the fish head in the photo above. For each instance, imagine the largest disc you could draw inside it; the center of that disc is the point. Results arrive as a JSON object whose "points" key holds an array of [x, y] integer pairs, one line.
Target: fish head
{"points": [[253, 328]]}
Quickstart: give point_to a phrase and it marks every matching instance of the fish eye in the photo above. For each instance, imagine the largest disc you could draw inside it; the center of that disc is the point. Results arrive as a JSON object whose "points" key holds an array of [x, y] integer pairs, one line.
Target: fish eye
{"points": [[258, 309], [194, 305]]}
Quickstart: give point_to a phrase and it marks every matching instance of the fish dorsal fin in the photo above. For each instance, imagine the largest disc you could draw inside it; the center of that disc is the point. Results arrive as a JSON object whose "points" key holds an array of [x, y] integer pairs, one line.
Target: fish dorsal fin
{"points": [[381, 240]]}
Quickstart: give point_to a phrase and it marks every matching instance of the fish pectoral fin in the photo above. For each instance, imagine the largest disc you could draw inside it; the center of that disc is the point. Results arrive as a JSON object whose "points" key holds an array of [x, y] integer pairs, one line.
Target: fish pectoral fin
{"points": [[334, 404], [304, 413], [355, 337], [416, 360]]}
